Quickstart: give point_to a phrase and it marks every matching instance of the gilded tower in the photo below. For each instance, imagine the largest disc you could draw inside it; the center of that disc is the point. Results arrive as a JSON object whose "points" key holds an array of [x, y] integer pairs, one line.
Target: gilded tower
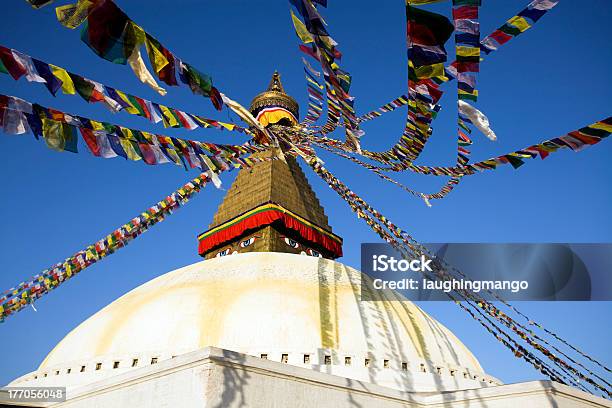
{"points": [[271, 207]]}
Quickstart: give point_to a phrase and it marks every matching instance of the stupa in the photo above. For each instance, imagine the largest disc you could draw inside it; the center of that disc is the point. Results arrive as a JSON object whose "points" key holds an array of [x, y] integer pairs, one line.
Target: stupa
{"points": [[270, 319]]}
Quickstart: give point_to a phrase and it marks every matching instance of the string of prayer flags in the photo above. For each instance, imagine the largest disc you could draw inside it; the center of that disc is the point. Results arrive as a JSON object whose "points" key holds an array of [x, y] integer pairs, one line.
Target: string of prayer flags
{"points": [[60, 131], [112, 35], [315, 94], [427, 34], [428, 91], [530, 14], [467, 47], [422, 109], [517, 25], [467, 35], [334, 110], [56, 78], [324, 49], [576, 141], [17, 298], [444, 191], [388, 107]]}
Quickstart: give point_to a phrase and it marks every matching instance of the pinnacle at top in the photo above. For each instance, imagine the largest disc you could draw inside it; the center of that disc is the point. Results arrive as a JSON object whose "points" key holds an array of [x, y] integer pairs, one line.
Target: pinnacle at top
{"points": [[275, 83], [274, 106]]}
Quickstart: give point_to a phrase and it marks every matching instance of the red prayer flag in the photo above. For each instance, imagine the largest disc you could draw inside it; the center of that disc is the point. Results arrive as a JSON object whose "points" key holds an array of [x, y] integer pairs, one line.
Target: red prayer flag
{"points": [[584, 138], [463, 12], [12, 65], [90, 140], [143, 105], [148, 156], [500, 37]]}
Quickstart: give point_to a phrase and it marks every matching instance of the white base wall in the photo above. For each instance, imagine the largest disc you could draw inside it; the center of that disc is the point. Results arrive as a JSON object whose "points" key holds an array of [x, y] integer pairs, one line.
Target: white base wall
{"points": [[216, 378]]}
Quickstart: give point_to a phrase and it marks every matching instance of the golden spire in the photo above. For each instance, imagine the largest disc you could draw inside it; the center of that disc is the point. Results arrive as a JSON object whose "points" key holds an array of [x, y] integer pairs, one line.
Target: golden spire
{"points": [[271, 206], [275, 83]]}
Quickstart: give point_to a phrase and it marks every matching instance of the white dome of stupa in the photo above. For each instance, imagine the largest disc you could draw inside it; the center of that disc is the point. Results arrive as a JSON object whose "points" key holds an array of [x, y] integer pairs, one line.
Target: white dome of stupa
{"points": [[301, 310]]}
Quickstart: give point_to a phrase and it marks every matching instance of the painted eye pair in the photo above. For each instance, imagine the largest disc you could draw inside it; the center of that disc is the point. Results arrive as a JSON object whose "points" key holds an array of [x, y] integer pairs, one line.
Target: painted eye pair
{"points": [[243, 244], [295, 245], [291, 242]]}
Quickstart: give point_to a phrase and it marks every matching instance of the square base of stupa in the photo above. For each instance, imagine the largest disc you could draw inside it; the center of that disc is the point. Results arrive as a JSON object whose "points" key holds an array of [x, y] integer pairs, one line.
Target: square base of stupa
{"points": [[213, 377]]}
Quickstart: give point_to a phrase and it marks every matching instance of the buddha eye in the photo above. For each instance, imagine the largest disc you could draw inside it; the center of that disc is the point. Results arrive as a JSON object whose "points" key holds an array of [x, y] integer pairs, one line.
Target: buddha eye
{"points": [[292, 243], [226, 251], [247, 242], [312, 252]]}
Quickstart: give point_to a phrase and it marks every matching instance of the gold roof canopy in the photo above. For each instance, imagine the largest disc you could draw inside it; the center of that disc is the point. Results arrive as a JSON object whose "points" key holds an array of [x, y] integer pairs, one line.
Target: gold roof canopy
{"points": [[275, 96]]}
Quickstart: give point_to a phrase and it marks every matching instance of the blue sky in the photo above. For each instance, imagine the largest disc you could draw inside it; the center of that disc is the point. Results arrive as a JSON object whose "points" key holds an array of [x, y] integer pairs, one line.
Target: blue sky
{"points": [[551, 80]]}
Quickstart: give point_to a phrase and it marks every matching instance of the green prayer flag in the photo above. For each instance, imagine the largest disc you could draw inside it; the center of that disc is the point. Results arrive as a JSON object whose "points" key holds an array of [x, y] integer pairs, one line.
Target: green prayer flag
{"points": [[514, 161], [198, 82], [173, 112], [510, 30], [83, 87], [3, 68], [465, 96], [138, 107]]}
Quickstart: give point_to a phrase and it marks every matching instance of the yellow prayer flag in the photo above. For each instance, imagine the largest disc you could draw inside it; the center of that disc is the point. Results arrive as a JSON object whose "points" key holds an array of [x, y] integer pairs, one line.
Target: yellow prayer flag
{"points": [[157, 59], [228, 126], [96, 125], [53, 134], [130, 151], [602, 126], [127, 133], [168, 116], [519, 22], [429, 71], [73, 15], [62, 75], [150, 138], [523, 155], [138, 32], [300, 29], [475, 93], [463, 51], [200, 121], [314, 83], [131, 109]]}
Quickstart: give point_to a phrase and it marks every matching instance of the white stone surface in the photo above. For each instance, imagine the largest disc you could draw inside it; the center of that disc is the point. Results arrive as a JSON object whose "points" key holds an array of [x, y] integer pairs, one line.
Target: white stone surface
{"points": [[215, 378], [282, 305]]}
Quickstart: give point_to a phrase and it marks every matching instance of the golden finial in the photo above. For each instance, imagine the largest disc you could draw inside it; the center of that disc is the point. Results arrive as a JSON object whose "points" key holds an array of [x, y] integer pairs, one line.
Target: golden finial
{"points": [[275, 83]]}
